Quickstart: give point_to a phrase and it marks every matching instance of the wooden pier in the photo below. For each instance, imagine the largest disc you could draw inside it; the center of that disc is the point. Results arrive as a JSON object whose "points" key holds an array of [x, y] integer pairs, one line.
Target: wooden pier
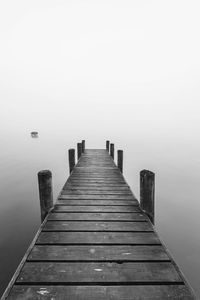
{"points": [[96, 243]]}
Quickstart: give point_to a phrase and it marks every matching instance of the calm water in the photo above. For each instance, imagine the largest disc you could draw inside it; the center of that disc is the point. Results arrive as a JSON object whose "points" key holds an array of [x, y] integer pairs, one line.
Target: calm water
{"points": [[177, 192]]}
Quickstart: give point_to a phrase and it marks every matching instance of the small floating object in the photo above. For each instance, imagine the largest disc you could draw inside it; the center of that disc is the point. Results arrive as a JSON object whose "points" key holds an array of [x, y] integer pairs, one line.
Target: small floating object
{"points": [[34, 133]]}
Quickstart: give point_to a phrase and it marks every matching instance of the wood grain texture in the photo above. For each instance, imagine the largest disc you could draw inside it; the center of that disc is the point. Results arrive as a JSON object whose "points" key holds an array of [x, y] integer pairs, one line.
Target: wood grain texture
{"points": [[96, 208], [84, 202], [98, 216], [121, 238], [98, 188], [97, 292], [99, 196], [95, 192], [97, 226], [98, 253], [88, 272]]}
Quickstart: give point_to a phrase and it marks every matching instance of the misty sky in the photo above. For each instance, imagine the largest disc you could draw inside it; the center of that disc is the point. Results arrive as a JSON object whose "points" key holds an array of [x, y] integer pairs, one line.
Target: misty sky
{"points": [[109, 65]]}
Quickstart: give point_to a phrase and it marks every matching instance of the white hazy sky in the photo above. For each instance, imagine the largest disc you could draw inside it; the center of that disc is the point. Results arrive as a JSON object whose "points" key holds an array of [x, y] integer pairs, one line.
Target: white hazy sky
{"points": [[115, 65]]}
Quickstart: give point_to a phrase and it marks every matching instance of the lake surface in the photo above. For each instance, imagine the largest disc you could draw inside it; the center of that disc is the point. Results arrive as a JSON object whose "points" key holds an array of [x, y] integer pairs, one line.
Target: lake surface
{"points": [[177, 191]]}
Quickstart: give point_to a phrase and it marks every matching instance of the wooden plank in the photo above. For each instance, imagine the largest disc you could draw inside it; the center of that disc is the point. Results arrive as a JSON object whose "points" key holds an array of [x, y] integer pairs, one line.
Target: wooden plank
{"points": [[97, 183], [97, 180], [98, 253], [109, 169], [97, 202], [96, 188], [125, 238], [99, 196], [95, 192], [97, 226], [64, 201], [91, 162], [88, 168], [98, 216], [99, 292], [103, 175], [80, 272], [107, 208], [97, 170], [88, 165], [96, 176], [95, 166], [101, 186], [99, 176]]}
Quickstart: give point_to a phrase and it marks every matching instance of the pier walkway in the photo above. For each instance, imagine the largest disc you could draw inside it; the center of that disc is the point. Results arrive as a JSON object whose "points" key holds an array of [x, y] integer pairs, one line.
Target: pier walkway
{"points": [[97, 244]]}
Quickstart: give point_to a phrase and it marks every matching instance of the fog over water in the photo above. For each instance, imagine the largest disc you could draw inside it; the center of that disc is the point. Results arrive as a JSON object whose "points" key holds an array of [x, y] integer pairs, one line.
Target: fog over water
{"points": [[127, 71]]}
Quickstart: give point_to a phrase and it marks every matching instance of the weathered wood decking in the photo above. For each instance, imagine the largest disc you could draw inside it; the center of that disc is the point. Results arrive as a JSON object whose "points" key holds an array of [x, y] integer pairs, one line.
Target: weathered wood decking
{"points": [[97, 244]]}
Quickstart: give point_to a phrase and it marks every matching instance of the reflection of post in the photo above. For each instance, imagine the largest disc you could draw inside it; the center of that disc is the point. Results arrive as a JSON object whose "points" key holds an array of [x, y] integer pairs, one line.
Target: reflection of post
{"points": [[71, 159], [112, 150], [45, 192], [83, 146], [147, 193], [120, 160], [107, 145], [79, 150]]}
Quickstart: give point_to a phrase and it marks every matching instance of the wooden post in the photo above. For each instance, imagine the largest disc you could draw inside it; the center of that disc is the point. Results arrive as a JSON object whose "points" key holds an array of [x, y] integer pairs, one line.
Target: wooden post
{"points": [[112, 150], [147, 191], [83, 146], [45, 192], [71, 159], [79, 150], [107, 145], [120, 160]]}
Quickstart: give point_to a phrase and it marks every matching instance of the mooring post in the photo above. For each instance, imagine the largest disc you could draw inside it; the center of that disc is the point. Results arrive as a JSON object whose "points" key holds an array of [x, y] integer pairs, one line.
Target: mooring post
{"points": [[79, 150], [71, 154], [120, 160], [45, 192], [83, 146], [112, 150], [107, 145], [147, 193]]}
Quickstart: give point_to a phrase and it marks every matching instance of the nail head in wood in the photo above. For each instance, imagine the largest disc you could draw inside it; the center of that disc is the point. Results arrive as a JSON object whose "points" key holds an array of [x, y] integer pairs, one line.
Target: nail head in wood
{"points": [[147, 193], [45, 192]]}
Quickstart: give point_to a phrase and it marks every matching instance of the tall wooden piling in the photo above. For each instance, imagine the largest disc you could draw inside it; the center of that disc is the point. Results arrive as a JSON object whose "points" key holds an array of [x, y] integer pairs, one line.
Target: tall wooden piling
{"points": [[71, 153], [112, 150], [120, 160], [147, 193], [83, 146], [79, 150], [107, 145], [45, 192]]}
